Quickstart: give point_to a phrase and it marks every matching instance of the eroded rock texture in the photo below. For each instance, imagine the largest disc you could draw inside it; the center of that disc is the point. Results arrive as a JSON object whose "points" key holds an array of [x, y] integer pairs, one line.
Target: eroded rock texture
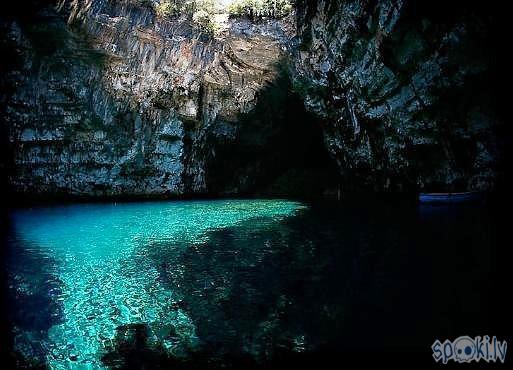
{"points": [[404, 89], [123, 102]]}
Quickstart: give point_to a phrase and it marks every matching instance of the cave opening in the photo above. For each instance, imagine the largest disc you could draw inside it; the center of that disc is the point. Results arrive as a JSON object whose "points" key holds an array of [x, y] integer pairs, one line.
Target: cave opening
{"points": [[279, 150]]}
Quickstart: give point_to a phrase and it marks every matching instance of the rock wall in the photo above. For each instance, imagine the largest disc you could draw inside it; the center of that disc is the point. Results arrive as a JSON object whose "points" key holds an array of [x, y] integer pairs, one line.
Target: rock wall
{"points": [[104, 98], [404, 89], [121, 101]]}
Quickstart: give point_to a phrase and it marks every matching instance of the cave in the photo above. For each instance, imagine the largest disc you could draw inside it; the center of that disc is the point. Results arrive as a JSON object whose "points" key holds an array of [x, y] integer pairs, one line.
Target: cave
{"points": [[279, 150], [257, 184]]}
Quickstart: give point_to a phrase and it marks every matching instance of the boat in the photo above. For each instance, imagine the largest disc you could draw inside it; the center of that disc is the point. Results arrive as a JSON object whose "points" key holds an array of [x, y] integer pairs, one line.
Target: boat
{"points": [[461, 197]]}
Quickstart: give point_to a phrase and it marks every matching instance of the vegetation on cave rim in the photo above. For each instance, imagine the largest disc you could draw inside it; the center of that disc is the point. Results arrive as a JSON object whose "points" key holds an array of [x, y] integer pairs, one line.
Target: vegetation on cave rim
{"points": [[253, 9], [207, 15]]}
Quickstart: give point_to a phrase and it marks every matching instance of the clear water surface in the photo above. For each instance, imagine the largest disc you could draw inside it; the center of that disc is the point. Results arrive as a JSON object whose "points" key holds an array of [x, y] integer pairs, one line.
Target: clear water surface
{"points": [[102, 285]]}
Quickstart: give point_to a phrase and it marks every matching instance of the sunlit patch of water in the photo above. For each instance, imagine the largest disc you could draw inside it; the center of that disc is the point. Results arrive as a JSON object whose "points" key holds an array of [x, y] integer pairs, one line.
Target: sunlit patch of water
{"points": [[105, 280]]}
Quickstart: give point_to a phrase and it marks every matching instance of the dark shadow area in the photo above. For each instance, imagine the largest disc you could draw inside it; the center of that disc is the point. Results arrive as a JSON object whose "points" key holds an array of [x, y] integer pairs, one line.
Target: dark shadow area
{"points": [[477, 95], [279, 149], [358, 283], [132, 350], [29, 299]]}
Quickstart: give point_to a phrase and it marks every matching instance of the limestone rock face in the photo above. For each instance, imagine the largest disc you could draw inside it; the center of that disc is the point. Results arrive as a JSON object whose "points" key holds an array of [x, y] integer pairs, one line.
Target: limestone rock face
{"points": [[120, 101], [403, 89], [104, 97]]}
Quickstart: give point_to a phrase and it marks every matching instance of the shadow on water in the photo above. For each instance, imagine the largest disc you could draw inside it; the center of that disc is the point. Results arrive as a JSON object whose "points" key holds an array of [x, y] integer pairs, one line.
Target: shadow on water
{"points": [[330, 284], [132, 349], [31, 299]]}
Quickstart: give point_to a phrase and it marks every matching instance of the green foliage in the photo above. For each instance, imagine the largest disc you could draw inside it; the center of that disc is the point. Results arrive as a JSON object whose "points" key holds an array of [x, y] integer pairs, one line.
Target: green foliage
{"points": [[255, 9], [168, 8], [209, 6], [204, 10], [205, 21], [204, 13], [164, 9], [201, 12]]}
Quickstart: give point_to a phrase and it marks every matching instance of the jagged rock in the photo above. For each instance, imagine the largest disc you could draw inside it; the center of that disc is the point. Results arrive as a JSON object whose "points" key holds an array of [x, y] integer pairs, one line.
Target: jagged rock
{"points": [[414, 82], [121, 101]]}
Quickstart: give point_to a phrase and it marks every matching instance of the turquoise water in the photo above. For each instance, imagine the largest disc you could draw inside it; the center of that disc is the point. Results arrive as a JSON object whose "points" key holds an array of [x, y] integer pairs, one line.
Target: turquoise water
{"points": [[100, 276], [247, 283]]}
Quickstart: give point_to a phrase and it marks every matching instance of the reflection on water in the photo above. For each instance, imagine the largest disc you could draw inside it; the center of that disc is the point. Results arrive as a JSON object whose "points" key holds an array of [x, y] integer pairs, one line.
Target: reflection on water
{"points": [[240, 282]]}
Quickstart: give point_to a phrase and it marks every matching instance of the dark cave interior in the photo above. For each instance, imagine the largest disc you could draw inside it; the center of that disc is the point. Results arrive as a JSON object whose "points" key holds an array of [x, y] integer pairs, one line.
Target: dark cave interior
{"points": [[279, 150]]}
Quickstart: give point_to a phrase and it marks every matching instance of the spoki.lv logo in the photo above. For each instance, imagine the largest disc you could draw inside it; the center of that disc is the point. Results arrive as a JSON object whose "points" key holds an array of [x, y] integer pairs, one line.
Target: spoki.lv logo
{"points": [[467, 349]]}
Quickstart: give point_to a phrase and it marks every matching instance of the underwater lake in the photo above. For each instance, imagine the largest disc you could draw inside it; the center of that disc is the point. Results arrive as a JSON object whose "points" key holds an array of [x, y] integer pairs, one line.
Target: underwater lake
{"points": [[243, 282]]}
